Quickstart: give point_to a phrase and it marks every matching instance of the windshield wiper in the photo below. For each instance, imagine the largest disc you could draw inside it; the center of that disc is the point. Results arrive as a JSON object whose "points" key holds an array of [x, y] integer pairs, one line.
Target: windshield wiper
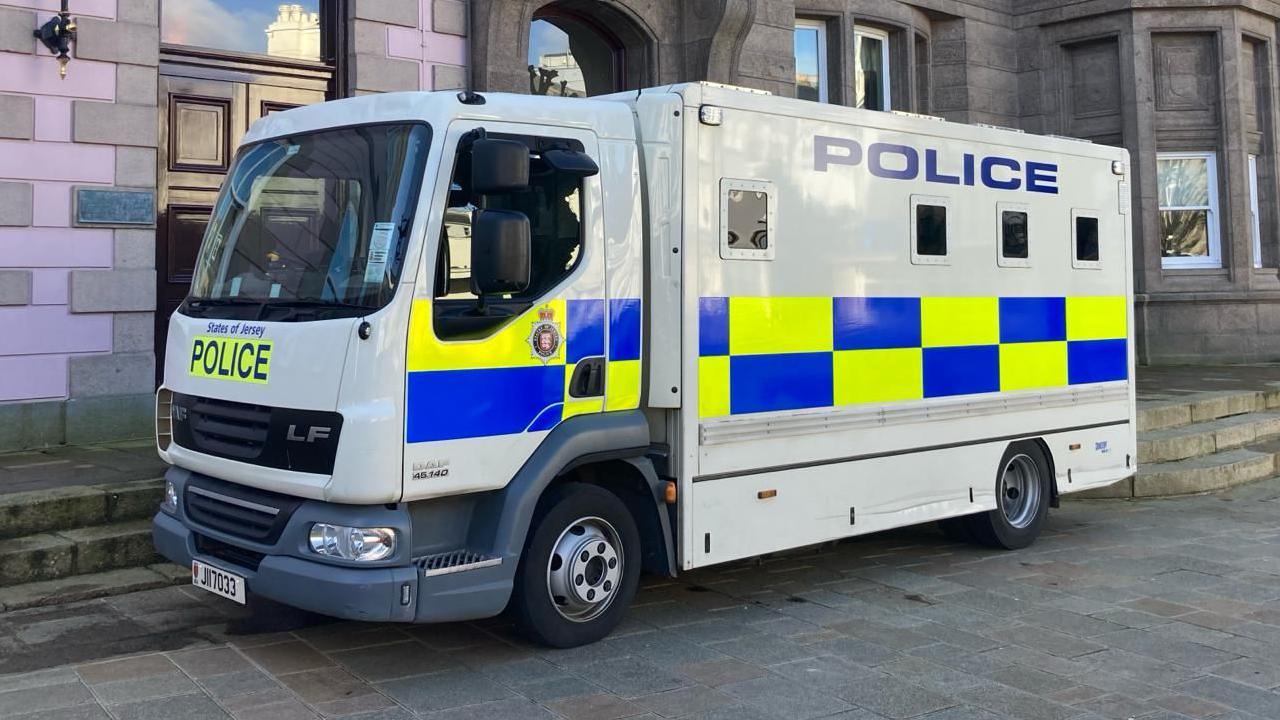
{"points": [[200, 305], [309, 304]]}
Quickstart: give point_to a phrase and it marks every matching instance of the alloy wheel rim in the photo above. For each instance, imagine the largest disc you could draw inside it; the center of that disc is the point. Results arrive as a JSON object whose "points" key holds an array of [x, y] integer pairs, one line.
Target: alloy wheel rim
{"points": [[1019, 491], [585, 569]]}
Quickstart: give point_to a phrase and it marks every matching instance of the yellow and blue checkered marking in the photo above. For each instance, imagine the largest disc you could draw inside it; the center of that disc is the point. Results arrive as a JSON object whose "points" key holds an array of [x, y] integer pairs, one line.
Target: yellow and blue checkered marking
{"points": [[496, 386], [761, 354]]}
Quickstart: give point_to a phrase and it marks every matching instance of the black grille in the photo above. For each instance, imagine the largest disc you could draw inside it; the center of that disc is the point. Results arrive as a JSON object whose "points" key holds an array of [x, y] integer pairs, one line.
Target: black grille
{"points": [[230, 429], [238, 511], [239, 557], [285, 438]]}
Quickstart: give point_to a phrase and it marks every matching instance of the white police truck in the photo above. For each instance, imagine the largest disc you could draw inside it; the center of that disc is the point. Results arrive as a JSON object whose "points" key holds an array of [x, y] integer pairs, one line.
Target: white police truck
{"points": [[445, 355]]}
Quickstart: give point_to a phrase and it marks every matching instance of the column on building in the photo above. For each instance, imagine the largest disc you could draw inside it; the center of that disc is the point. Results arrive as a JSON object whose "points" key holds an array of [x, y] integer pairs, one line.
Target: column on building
{"points": [[77, 238]]}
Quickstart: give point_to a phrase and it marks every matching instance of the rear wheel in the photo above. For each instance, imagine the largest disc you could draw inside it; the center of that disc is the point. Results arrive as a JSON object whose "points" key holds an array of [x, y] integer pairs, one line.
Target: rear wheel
{"points": [[1022, 499], [580, 567]]}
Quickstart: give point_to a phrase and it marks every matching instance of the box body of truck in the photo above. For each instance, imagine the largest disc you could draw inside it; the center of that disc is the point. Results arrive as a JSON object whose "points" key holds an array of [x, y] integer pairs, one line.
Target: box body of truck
{"points": [[412, 384]]}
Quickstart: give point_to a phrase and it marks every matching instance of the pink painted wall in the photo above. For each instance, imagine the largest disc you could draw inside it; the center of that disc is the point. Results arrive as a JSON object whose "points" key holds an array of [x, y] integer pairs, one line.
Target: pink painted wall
{"points": [[37, 339], [425, 46]]}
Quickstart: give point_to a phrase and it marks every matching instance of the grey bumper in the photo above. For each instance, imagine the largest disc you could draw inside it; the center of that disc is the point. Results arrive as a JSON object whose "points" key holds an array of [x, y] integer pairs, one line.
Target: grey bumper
{"points": [[390, 593]]}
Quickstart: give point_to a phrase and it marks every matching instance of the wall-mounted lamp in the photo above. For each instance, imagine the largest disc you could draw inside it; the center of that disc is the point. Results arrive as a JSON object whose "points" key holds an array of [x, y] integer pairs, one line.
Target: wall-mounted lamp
{"points": [[57, 35]]}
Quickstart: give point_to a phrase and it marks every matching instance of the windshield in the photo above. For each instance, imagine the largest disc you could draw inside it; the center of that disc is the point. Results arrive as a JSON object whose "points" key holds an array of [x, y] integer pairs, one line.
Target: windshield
{"points": [[311, 226]]}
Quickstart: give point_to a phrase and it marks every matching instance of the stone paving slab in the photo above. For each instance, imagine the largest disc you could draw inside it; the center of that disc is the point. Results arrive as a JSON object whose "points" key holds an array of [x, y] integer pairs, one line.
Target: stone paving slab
{"points": [[1152, 610], [77, 465]]}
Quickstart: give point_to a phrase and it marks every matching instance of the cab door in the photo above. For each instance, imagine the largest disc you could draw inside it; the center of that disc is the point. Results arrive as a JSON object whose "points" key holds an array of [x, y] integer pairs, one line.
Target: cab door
{"points": [[487, 382]]}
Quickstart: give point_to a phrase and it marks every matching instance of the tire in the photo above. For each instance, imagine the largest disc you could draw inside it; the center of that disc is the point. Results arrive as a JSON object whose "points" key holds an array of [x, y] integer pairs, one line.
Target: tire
{"points": [[1022, 499], [583, 550]]}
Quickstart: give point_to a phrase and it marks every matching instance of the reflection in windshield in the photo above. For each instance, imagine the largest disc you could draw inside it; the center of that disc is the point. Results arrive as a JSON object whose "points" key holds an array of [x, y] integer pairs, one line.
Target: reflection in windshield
{"points": [[320, 218]]}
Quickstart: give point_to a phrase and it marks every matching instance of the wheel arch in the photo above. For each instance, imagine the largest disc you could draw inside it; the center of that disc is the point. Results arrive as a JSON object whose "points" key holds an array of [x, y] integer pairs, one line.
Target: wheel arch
{"points": [[605, 449], [1053, 471]]}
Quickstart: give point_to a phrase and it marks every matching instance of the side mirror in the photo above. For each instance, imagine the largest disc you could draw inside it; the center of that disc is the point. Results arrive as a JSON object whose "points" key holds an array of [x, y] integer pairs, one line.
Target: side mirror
{"points": [[571, 162], [500, 252], [499, 167]]}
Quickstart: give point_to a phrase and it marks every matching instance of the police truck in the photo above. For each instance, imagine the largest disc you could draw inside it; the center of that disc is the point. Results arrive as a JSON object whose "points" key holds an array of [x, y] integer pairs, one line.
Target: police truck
{"points": [[449, 355]]}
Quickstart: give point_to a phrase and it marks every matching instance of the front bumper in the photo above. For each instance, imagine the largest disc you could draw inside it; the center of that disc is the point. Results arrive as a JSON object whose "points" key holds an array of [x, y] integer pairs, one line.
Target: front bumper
{"points": [[390, 593]]}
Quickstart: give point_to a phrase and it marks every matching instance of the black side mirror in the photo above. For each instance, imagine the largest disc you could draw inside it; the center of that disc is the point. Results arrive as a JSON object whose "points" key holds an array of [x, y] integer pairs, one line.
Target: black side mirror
{"points": [[500, 252], [499, 167], [571, 162]]}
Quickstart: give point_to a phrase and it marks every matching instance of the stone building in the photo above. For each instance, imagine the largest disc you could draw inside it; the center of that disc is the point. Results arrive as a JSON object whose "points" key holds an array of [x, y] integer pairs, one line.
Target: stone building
{"points": [[107, 176]]}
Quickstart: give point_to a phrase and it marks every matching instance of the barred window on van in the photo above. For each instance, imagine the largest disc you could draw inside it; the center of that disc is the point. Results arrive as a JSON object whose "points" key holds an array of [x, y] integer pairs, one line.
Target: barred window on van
{"points": [[746, 219], [929, 224], [1085, 241]]}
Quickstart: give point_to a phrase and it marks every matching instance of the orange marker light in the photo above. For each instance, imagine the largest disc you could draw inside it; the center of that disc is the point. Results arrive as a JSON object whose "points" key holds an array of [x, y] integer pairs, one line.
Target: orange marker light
{"points": [[669, 494], [766, 494]]}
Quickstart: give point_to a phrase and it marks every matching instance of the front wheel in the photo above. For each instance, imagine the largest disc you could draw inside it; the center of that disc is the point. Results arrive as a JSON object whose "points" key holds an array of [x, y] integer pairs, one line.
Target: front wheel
{"points": [[1022, 499], [580, 567]]}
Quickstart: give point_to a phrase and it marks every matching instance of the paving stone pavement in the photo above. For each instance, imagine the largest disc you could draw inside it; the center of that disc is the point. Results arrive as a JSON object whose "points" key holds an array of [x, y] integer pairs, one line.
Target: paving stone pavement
{"points": [[1159, 610]]}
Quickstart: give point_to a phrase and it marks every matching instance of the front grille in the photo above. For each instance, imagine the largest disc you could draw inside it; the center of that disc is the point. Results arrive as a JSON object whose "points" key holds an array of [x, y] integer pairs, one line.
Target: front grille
{"points": [[230, 429], [254, 515], [240, 557]]}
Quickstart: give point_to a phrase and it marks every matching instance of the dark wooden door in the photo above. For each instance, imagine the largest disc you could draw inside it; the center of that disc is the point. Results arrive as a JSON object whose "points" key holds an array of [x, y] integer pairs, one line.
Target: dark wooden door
{"points": [[201, 121]]}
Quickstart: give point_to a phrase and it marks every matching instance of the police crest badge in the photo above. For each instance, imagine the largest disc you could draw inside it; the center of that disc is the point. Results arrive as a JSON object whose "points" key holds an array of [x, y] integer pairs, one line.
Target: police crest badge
{"points": [[544, 339]]}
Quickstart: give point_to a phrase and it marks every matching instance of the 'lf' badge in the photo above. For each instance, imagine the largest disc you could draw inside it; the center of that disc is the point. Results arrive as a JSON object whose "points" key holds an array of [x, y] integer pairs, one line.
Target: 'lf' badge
{"points": [[544, 340]]}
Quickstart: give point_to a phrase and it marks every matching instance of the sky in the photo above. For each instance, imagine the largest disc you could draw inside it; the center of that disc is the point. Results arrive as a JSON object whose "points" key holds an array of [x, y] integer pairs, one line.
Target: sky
{"points": [[225, 24], [546, 39]]}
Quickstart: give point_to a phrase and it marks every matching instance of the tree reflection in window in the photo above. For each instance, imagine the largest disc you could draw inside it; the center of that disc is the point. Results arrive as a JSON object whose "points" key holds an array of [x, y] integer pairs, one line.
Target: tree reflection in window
{"points": [[571, 56]]}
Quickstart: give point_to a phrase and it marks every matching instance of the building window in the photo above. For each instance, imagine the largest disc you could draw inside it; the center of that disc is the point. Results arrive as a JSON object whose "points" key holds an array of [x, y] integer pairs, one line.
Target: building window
{"points": [[871, 69], [811, 60], [288, 31], [1187, 185], [571, 55], [1255, 216]]}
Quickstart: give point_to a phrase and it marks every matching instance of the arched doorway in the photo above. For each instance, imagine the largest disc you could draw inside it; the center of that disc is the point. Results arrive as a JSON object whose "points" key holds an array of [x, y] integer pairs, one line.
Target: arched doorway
{"points": [[573, 55], [579, 48]]}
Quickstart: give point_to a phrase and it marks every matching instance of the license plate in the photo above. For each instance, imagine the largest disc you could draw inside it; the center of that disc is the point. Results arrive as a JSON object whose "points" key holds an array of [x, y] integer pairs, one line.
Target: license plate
{"points": [[218, 582]]}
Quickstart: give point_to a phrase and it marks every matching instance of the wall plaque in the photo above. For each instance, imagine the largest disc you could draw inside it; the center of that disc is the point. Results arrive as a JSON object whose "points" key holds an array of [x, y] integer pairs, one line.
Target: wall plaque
{"points": [[114, 206]]}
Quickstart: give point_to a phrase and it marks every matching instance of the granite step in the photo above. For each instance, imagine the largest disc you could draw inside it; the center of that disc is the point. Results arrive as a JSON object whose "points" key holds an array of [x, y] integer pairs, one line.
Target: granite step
{"points": [[1218, 471], [79, 551], [1203, 407], [1205, 438], [66, 508], [75, 588]]}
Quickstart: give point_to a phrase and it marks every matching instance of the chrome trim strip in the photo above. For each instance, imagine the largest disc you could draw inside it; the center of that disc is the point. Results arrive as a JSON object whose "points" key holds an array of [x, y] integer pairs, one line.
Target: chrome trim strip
{"points": [[490, 562], [246, 504]]}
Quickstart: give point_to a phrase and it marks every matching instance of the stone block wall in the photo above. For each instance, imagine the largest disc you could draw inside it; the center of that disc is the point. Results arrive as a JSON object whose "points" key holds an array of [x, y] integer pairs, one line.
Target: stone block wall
{"points": [[407, 45], [73, 366]]}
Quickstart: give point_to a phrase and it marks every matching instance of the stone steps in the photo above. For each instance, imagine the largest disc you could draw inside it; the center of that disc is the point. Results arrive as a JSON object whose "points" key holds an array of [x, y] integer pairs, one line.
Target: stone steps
{"points": [[65, 508], [78, 551], [63, 543], [1206, 438], [74, 588], [1205, 442]]}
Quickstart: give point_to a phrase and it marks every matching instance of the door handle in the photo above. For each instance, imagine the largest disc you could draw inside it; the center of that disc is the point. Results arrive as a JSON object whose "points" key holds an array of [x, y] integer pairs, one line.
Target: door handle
{"points": [[588, 378]]}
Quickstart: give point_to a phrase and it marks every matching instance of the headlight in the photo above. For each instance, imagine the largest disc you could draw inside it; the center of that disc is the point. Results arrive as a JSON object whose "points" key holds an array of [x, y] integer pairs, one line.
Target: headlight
{"points": [[170, 502], [352, 543]]}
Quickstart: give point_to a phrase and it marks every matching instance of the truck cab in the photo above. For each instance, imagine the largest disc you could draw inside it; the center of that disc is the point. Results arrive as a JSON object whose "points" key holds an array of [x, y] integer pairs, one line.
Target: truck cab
{"points": [[410, 315]]}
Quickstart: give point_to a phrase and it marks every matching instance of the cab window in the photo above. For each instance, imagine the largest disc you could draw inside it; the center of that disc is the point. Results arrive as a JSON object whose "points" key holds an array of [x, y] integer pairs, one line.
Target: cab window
{"points": [[553, 204]]}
